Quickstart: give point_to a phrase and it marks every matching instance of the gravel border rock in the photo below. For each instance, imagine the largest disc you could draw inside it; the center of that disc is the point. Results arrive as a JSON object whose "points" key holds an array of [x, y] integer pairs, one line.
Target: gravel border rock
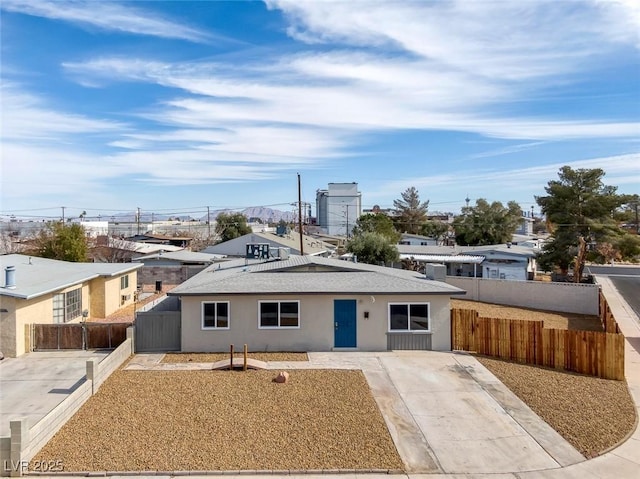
{"points": [[592, 414], [552, 319], [226, 421]]}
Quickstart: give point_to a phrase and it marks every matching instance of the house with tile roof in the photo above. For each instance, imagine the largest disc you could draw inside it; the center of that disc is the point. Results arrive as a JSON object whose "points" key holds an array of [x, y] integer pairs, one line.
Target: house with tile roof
{"points": [[46, 291], [310, 303]]}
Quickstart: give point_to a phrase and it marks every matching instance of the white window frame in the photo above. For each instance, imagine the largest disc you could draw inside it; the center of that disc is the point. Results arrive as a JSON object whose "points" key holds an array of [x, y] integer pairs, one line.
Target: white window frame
{"points": [[216, 327], [124, 282], [278, 302], [409, 304]]}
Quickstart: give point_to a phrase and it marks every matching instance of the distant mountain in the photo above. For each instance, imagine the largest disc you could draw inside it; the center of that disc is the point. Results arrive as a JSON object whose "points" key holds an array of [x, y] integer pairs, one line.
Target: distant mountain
{"points": [[266, 215]]}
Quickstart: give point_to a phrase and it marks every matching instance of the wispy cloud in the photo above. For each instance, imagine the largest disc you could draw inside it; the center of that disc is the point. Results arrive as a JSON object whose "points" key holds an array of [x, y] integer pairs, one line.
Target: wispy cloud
{"points": [[110, 16], [359, 69], [364, 93], [29, 117]]}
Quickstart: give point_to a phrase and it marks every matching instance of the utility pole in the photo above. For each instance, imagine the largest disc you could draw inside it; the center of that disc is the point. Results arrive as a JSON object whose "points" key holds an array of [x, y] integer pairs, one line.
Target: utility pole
{"points": [[138, 219], [63, 207], [208, 224], [300, 217], [347, 206]]}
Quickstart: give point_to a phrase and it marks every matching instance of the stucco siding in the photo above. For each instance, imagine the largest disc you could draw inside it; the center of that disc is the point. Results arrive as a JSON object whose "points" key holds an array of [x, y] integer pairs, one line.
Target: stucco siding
{"points": [[8, 326], [316, 331], [37, 310]]}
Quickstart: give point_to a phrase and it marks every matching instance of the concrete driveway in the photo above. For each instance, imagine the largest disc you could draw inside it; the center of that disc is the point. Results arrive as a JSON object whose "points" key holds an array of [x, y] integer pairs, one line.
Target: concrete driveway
{"points": [[448, 414], [35, 383]]}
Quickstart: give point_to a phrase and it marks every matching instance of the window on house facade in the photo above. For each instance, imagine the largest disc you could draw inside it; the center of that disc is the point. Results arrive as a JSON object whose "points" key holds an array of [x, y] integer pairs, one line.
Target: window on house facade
{"points": [[124, 281], [215, 315], [58, 308], [409, 317], [279, 314], [67, 306]]}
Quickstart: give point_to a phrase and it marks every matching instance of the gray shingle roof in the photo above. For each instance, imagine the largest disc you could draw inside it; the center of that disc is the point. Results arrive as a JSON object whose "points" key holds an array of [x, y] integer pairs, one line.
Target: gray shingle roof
{"points": [[330, 276], [37, 276]]}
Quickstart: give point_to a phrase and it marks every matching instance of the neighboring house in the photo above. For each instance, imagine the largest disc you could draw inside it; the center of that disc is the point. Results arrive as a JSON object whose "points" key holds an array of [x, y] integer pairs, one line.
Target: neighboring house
{"points": [[116, 250], [309, 303], [237, 247], [338, 208], [172, 268], [151, 238], [417, 240], [506, 261], [40, 290], [494, 262]]}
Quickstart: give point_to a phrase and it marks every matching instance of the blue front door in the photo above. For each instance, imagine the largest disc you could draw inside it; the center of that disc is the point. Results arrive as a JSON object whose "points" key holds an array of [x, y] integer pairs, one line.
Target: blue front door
{"points": [[344, 317]]}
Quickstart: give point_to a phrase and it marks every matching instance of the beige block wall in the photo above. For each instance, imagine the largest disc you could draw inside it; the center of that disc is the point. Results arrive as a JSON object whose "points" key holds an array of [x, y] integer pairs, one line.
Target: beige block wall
{"points": [[316, 332]]}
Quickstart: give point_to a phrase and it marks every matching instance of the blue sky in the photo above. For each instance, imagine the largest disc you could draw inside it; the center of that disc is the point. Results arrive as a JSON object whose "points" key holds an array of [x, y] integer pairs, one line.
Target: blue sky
{"points": [[172, 106]]}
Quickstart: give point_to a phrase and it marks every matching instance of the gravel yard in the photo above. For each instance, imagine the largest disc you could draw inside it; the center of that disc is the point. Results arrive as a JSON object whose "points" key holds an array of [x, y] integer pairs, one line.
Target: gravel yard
{"points": [[226, 420], [552, 319], [592, 414], [213, 357]]}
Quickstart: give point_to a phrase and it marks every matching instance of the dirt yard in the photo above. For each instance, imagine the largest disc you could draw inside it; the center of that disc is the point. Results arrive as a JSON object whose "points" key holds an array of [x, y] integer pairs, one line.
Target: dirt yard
{"points": [[126, 314], [213, 357], [226, 420], [552, 319], [592, 414]]}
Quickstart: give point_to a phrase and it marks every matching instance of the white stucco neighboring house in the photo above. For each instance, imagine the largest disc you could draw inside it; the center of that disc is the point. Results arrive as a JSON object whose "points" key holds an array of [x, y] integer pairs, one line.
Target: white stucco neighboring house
{"points": [[494, 261], [309, 303]]}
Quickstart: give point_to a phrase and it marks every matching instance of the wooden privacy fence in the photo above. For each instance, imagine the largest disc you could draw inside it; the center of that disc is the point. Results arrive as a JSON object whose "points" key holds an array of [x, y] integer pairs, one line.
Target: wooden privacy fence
{"points": [[609, 323], [587, 352], [79, 335]]}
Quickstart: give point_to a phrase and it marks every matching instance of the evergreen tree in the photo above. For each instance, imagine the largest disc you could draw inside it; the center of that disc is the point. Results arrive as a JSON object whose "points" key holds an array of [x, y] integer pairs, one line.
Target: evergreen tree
{"points": [[580, 212], [411, 213], [487, 223]]}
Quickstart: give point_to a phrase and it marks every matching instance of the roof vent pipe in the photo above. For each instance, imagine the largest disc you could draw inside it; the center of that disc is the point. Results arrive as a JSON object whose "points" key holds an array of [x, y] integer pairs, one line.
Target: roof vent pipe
{"points": [[10, 277]]}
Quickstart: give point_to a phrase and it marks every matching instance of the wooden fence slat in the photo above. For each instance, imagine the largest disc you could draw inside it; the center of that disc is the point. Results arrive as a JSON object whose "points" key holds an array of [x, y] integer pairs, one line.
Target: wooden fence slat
{"points": [[587, 352]]}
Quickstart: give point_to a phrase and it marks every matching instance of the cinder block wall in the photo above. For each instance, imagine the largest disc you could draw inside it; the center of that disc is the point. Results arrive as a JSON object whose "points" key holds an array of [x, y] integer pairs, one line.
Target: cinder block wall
{"points": [[563, 297]]}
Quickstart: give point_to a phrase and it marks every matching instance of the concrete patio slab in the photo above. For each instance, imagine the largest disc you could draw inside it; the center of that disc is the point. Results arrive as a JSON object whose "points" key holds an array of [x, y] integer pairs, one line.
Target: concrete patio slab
{"points": [[35, 383]]}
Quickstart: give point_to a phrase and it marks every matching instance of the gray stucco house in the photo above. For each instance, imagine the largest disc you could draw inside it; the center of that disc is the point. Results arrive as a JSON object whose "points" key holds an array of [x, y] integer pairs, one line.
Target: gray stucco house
{"points": [[309, 303]]}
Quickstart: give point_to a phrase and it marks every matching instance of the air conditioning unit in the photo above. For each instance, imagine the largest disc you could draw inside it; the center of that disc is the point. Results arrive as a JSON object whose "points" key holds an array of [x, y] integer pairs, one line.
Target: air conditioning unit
{"points": [[283, 253]]}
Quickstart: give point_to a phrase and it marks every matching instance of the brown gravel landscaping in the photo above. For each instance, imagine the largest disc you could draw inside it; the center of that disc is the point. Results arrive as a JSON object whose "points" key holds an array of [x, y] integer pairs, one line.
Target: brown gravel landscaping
{"points": [[226, 420], [552, 319], [592, 414], [213, 357]]}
